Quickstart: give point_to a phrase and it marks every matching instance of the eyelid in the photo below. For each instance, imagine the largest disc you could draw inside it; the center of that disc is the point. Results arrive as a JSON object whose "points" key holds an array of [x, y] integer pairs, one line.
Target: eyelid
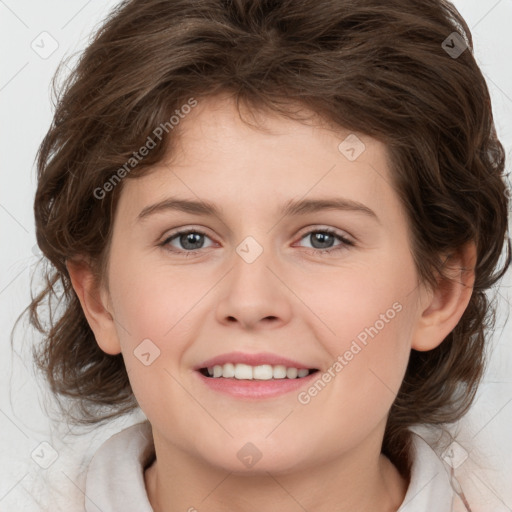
{"points": [[304, 231], [324, 228], [183, 230]]}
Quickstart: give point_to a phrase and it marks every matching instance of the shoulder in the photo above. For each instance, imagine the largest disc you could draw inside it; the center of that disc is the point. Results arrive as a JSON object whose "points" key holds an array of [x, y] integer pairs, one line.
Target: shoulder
{"points": [[115, 476]]}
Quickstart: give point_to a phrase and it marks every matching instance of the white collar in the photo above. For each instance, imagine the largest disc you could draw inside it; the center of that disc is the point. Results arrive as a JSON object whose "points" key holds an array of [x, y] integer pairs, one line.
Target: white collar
{"points": [[115, 476], [430, 487]]}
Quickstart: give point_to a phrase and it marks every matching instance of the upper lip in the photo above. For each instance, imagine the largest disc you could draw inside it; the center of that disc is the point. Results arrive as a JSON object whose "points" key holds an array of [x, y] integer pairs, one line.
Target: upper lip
{"points": [[253, 360]]}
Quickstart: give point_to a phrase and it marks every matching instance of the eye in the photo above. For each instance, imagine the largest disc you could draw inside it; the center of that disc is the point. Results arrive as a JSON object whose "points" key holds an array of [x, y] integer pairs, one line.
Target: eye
{"points": [[322, 240], [190, 240]]}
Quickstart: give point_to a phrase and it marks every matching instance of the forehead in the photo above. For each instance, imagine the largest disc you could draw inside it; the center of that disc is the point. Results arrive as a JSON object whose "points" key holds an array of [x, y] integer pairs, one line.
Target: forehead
{"points": [[217, 156], [217, 126]]}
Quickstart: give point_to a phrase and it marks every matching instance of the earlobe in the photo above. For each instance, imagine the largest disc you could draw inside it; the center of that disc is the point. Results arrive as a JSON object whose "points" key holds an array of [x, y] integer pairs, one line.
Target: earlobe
{"points": [[94, 302], [448, 301]]}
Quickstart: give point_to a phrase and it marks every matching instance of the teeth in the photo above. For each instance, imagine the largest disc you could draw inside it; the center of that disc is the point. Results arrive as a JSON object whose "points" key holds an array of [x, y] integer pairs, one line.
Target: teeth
{"points": [[262, 372], [242, 371], [292, 373], [228, 370]]}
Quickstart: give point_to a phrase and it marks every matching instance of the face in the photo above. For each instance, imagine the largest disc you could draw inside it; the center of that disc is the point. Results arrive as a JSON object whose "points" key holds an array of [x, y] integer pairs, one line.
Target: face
{"points": [[332, 289]]}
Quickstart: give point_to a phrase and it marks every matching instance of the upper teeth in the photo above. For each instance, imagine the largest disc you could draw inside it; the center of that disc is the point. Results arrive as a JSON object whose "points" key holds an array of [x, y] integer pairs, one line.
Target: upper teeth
{"points": [[263, 372]]}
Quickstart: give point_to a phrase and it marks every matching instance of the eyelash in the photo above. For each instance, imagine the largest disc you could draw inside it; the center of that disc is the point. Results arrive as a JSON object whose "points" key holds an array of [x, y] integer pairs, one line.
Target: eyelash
{"points": [[343, 246]]}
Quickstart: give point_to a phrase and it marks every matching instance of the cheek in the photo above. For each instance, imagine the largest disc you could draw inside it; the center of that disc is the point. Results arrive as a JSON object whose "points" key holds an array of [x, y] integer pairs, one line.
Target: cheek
{"points": [[369, 313], [369, 358], [153, 309], [364, 302], [153, 301]]}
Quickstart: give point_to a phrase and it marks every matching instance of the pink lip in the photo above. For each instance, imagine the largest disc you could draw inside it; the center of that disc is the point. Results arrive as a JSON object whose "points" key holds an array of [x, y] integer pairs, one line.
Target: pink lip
{"points": [[255, 389], [252, 360]]}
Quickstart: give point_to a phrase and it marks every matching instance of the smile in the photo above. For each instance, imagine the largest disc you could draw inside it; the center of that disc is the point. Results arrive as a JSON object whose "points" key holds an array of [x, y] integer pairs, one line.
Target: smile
{"points": [[248, 387], [242, 371]]}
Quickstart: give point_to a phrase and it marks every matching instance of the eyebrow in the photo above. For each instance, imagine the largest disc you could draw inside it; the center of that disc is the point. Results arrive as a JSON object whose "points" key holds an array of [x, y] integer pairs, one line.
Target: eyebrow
{"points": [[291, 208]]}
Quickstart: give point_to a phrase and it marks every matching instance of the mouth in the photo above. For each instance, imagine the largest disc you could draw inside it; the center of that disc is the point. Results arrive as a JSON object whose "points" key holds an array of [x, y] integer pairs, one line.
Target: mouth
{"points": [[262, 382], [264, 372], [254, 376]]}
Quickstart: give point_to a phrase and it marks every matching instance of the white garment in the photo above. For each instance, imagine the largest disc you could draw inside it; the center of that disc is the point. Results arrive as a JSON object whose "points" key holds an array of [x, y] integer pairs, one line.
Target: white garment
{"points": [[115, 477]]}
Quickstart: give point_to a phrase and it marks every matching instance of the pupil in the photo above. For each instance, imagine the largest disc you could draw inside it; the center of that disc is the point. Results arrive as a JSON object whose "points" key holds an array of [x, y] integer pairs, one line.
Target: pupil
{"points": [[189, 239], [322, 238]]}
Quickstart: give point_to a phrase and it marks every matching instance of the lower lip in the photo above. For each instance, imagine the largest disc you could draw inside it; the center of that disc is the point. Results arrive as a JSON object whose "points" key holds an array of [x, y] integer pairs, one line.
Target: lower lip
{"points": [[255, 389]]}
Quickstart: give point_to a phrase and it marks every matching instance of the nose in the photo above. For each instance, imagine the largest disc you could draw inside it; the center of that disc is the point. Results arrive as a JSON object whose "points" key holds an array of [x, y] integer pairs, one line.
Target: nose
{"points": [[253, 294]]}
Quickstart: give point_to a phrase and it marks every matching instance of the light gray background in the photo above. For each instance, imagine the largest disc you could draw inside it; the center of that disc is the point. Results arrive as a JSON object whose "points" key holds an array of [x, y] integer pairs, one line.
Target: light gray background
{"points": [[25, 115]]}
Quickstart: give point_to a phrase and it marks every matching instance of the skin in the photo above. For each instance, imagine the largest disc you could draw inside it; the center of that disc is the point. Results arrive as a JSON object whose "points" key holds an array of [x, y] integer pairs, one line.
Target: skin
{"points": [[290, 301]]}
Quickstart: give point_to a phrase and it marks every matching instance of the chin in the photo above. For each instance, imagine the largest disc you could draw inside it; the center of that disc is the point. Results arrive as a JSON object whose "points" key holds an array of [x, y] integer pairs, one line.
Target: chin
{"points": [[255, 458]]}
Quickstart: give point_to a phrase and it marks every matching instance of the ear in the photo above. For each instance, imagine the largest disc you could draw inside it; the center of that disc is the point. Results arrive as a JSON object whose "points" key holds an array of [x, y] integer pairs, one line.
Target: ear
{"points": [[95, 304], [444, 306]]}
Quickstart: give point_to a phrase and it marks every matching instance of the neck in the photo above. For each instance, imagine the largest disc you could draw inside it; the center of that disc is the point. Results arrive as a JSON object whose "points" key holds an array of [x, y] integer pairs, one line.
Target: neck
{"points": [[360, 481]]}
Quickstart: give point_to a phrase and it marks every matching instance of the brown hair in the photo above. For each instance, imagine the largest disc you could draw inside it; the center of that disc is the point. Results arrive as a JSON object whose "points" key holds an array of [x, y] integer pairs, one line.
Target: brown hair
{"points": [[377, 68]]}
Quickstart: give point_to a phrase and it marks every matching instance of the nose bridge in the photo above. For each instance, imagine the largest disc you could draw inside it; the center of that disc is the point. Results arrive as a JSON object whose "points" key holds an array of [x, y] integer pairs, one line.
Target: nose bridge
{"points": [[252, 291], [250, 273]]}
